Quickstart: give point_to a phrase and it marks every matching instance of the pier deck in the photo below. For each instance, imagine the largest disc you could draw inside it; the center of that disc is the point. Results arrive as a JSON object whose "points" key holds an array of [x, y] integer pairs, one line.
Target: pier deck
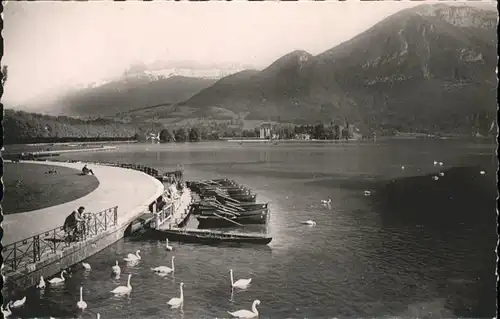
{"points": [[181, 211]]}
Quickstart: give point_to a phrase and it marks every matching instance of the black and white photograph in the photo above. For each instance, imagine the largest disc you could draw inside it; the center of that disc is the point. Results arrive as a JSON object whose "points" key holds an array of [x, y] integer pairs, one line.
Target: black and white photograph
{"points": [[249, 159]]}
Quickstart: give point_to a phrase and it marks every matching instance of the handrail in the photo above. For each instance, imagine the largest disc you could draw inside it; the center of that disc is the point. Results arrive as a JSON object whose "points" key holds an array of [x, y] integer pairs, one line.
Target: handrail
{"points": [[36, 247]]}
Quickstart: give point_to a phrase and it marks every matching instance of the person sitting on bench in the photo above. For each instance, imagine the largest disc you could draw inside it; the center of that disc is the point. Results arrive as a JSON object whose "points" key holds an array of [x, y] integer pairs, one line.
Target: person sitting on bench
{"points": [[86, 170]]}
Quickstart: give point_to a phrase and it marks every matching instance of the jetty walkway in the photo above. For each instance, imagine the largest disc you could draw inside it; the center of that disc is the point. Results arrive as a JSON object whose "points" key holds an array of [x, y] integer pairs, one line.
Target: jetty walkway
{"points": [[132, 191]]}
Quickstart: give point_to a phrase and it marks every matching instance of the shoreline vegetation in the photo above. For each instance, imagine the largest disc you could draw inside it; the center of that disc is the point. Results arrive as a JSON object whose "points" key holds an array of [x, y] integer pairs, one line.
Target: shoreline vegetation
{"points": [[30, 128]]}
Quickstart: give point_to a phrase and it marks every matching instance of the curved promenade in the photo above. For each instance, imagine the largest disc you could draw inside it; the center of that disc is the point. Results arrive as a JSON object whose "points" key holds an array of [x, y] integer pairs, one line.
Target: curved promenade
{"points": [[132, 191]]}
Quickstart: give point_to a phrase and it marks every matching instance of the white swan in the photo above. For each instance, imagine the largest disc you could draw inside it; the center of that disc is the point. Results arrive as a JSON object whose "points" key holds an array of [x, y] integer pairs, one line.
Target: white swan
{"points": [[18, 303], [309, 222], [132, 257], [41, 283], [165, 269], [98, 316], [441, 174], [58, 280], [435, 163], [240, 283], [86, 266], [326, 202], [435, 178], [167, 246], [6, 311], [368, 193], [81, 304], [402, 167], [440, 163], [247, 313], [116, 269], [176, 302], [123, 289], [482, 172]]}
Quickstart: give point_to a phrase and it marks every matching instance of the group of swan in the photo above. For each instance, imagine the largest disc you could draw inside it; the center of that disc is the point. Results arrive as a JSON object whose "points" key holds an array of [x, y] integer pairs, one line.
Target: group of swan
{"points": [[173, 302], [15, 304]]}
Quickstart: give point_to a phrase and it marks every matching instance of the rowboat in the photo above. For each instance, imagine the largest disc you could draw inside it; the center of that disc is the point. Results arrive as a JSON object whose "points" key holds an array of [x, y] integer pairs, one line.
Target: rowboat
{"points": [[218, 220], [208, 236]]}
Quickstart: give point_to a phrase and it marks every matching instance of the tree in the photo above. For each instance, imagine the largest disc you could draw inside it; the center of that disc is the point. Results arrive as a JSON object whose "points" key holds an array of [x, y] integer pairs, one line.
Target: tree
{"points": [[319, 132], [194, 135], [180, 135], [336, 132], [166, 136]]}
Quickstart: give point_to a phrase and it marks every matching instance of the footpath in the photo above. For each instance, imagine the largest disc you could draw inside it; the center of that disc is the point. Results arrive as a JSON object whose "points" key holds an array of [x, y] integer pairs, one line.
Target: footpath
{"points": [[132, 191]]}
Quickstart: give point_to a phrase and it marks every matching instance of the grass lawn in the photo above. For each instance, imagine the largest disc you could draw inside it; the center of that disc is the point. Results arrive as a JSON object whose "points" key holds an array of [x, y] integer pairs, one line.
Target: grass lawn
{"points": [[27, 187]]}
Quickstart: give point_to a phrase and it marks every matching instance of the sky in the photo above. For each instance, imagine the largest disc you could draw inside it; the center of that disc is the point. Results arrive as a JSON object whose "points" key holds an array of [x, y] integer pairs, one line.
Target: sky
{"points": [[51, 45]]}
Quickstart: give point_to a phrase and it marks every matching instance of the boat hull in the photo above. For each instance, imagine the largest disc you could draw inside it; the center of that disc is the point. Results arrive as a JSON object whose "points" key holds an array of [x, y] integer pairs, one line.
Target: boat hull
{"points": [[207, 238], [205, 221]]}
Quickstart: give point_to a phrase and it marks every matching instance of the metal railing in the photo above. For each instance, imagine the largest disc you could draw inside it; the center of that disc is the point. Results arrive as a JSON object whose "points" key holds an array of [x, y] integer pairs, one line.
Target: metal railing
{"points": [[35, 248], [163, 215]]}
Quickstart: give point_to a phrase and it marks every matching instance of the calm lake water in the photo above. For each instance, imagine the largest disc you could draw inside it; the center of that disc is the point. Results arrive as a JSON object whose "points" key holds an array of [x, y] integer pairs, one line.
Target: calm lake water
{"points": [[412, 249]]}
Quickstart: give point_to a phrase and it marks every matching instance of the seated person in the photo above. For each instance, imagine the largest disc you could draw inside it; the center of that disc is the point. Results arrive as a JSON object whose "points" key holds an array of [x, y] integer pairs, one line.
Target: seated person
{"points": [[72, 223], [86, 170]]}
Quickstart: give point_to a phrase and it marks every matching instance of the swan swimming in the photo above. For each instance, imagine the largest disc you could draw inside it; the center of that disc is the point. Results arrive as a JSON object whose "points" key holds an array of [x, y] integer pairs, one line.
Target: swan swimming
{"points": [[58, 280], [368, 193], [176, 302], [86, 266], [403, 167], [18, 303], [435, 163], [441, 174], [435, 178], [240, 283], [116, 269], [169, 248], [165, 269], [482, 172], [41, 284], [132, 257], [309, 222], [6, 311], [247, 313], [123, 289], [326, 202], [81, 304]]}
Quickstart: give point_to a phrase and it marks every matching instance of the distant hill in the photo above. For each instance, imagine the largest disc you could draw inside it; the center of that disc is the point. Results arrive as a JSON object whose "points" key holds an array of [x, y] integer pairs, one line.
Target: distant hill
{"points": [[427, 68], [125, 94]]}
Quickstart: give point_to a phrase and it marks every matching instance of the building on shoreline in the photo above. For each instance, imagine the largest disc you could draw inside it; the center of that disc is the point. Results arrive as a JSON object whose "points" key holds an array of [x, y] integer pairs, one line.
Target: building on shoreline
{"points": [[265, 130]]}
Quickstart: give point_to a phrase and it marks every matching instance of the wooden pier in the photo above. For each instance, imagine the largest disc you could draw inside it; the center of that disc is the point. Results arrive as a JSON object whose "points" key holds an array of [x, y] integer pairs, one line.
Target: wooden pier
{"points": [[176, 213]]}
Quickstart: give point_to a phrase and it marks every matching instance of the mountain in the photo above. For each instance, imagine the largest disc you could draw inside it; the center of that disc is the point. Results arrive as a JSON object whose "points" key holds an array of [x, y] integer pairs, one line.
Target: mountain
{"points": [[124, 94], [427, 68]]}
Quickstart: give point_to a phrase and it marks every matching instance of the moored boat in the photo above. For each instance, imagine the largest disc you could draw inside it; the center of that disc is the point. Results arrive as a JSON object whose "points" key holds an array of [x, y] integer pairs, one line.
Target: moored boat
{"points": [[219, 220], [209, 237]]}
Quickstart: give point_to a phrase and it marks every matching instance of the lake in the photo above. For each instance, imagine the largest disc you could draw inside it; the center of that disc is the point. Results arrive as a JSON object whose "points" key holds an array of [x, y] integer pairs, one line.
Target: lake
{"points": [[415, 248]]}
